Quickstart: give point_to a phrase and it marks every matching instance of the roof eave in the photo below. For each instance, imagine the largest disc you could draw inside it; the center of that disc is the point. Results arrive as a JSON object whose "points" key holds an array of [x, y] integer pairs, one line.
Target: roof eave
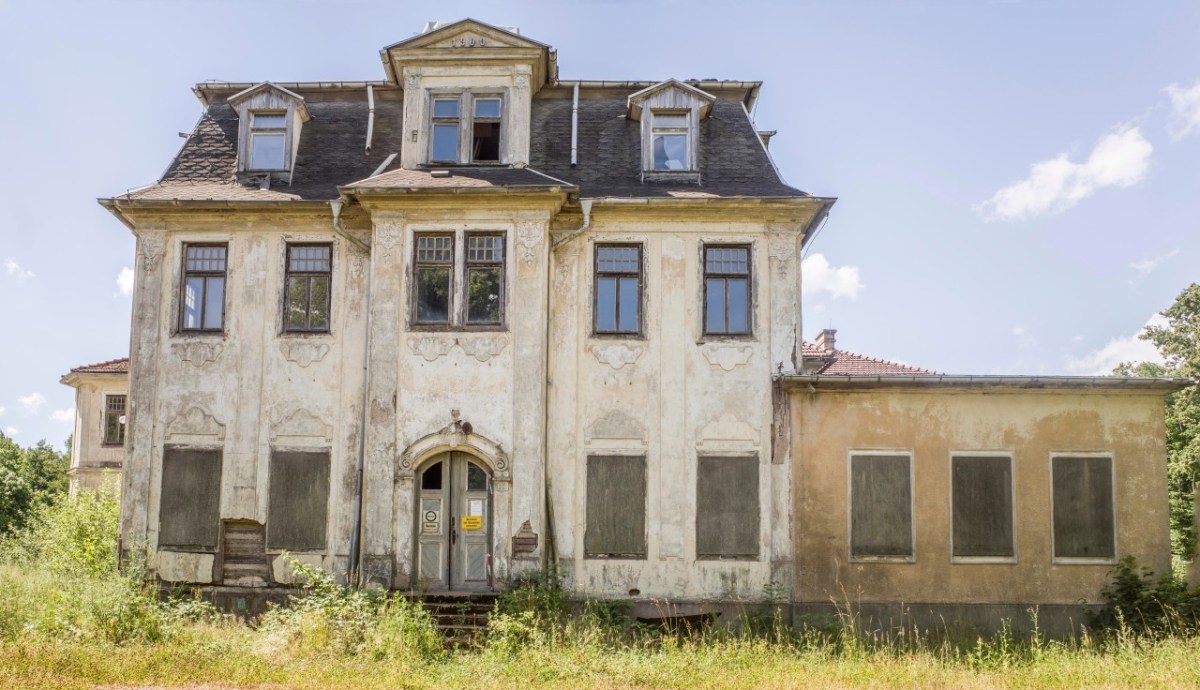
{"points": [[818, 382]]}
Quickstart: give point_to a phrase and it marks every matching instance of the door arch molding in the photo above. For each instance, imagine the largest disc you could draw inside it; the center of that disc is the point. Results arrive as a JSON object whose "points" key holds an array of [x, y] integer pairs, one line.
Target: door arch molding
{"points": [[454, 438]]}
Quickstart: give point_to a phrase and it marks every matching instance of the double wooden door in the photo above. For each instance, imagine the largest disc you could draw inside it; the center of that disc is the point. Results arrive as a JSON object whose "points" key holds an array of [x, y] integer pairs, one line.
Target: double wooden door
{"points": [[454, 524]]}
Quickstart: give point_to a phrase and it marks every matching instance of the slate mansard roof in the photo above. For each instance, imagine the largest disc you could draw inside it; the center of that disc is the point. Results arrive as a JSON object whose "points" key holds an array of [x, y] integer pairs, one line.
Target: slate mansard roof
{"points": [[733, 161]]}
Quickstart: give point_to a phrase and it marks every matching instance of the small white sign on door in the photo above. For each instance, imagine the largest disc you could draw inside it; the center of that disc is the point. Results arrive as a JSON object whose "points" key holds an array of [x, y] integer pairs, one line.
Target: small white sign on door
{"points": [[475, 506]]}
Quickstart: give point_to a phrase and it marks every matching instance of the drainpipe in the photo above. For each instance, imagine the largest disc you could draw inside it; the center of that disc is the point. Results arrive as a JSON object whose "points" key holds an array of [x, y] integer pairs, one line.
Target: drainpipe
{"points": [[370, 115], [352, 574], [575, 125], [585, 206]]}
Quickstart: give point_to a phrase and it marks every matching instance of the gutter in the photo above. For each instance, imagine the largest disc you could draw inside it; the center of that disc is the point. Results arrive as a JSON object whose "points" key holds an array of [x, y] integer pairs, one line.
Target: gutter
{"points": [[817, 383]]}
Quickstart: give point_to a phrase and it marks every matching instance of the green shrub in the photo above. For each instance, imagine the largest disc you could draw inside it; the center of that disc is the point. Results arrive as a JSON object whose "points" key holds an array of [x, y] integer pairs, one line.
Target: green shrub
{"points": [[1140, 602], [69, 535]]}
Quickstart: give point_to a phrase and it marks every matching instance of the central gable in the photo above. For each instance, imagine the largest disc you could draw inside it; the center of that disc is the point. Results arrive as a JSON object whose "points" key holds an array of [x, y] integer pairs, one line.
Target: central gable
{"points": [[470, 42]]}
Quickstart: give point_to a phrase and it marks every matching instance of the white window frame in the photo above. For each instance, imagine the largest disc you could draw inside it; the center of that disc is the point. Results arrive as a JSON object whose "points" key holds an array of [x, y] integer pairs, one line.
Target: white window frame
{"points": [[273, 131], [1012, 478], [912, 504], [1112, 468], [466, 124]]}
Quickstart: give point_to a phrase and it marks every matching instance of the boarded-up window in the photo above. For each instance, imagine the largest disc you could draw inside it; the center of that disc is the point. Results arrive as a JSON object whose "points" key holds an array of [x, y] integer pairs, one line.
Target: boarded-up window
{"points": [[1083, 507], [727, 507], [983, 506], [616, 507], [298, 501], [880, 506], [191, 496]]}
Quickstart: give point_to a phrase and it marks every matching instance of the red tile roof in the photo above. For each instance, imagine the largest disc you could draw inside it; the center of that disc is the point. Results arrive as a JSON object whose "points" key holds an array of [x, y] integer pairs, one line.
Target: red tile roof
{"points": [[843, 363], [112, 366]]}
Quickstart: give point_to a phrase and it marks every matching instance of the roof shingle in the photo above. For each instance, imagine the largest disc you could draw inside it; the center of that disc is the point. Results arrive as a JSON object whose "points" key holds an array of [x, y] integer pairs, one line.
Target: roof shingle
{"points": [[843, 363]]}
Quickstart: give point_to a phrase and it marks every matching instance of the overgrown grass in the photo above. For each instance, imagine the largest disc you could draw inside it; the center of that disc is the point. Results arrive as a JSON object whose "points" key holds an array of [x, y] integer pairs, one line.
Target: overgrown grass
{"points": [[69, 618]]}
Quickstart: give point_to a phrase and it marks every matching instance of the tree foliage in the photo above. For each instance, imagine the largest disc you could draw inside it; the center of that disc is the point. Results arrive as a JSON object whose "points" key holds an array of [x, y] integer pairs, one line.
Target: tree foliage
{"points": [[29, 478], [1179, 343]]}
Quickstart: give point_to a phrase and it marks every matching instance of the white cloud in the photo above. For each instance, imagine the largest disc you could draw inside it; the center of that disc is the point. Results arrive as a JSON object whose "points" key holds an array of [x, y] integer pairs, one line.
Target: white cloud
{"points": [[2, 409], [67, 414], [12, 268], [125, 281], [11, 431], [1146, 266], [820, 276], [1185, 109], [1018, 330], [1120, 159], [1123, 349], [33, 401]]}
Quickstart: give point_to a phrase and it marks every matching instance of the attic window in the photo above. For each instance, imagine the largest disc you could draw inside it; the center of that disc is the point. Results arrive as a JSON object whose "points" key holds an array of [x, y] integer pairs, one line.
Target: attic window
{"points": [[669, 139], [268, 140], [465, 128]]}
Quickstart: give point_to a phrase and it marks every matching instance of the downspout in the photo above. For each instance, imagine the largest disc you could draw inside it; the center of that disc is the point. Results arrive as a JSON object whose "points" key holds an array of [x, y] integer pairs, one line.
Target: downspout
{"points": [[575, 125], [352, 573], [585, 206], [370, 115]]}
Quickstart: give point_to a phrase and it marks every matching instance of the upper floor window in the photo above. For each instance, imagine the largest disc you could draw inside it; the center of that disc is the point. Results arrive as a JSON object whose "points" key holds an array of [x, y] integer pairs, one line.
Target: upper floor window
{"points": [[307, 285], [114, 420], [465, 128], [618, 288], [669, 140], [437, 272], [726, 290], [268, 140], [202, 307]]}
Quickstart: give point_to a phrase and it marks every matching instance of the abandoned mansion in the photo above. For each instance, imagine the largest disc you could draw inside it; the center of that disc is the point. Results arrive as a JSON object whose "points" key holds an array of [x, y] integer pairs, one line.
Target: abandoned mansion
{"points": [[470, 320]]}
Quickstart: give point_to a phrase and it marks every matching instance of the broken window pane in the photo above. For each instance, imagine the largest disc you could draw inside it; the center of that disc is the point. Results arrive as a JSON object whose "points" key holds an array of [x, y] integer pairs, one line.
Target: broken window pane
{"points": [[485, 145], [670, 151], [431, 478]]}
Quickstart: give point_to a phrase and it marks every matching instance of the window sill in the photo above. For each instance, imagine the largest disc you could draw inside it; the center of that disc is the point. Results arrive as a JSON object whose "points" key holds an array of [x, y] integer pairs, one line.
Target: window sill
{"points": [[199, 334], [443, 328], [728, 559], [620, 336], [1100, 560], [613, 557], [306, 334], [727, 338], [983, 560], [112, 445], [883, 559]]}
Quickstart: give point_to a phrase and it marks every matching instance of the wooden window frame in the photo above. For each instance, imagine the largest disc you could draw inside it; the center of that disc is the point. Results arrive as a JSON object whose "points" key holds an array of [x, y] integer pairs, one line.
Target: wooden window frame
{"points": [[687, 131], [288, 274], [254, 129], [465, 124], [1112, 468], [467, 265], [121, 426], [597, 274], [1012, 478], [912, 506], [185, 274], [417, 264], [724, 277]]}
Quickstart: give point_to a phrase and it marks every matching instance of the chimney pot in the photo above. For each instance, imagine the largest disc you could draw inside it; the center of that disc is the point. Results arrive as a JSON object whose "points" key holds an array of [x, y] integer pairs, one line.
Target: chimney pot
{"points": [[826, 340]]}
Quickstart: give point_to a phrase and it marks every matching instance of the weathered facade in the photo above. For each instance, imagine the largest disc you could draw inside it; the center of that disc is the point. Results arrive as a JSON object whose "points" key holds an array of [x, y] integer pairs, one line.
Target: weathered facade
{"points": [[433, 331], [98, 437]]}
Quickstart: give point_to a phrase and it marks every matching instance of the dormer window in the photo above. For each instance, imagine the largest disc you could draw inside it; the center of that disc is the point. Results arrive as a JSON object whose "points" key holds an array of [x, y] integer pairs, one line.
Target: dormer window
{"points": [[669, 140], [268, 140], [465, 128], [670, 113], [270, 119]]}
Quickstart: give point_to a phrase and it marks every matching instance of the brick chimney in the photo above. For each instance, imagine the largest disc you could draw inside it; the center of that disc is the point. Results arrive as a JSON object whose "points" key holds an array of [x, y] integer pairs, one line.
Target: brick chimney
{"points": [[826, 341]]}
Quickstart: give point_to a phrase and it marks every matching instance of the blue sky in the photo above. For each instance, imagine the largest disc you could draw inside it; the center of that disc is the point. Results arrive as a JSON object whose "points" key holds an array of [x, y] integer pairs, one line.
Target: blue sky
{"points": [[1018, 181]]}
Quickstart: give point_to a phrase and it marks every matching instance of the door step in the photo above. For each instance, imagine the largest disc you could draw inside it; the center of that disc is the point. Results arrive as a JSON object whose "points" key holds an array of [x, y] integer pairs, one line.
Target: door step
{"points": [[462, 618]]}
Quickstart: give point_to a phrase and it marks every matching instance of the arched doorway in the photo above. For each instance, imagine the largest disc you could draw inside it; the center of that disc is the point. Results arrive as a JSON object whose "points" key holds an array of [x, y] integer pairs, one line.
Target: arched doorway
{"points": [[454, 523]]}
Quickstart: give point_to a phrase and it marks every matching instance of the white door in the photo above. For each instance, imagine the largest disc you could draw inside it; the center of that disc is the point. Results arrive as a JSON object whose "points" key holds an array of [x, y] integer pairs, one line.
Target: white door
{"points": [[454, 524]]}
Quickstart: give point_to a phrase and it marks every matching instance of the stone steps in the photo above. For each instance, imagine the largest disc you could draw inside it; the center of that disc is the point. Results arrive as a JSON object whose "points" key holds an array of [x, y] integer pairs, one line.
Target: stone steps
{"points": [[461, 618]]}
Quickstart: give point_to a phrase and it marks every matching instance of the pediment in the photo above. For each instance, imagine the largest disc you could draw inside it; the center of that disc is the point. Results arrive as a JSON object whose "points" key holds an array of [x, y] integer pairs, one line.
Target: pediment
{"points": [[268, 95], [671, 93], [465, 33]]}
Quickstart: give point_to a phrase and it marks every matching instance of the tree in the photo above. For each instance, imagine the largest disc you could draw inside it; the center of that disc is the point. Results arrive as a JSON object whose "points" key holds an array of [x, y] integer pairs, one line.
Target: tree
{"points": [[1179, 343], [29, 477]]}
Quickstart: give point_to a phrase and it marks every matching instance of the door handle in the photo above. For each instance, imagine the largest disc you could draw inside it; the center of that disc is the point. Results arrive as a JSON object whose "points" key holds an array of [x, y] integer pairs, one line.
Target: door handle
{"points": [[453, 536]]}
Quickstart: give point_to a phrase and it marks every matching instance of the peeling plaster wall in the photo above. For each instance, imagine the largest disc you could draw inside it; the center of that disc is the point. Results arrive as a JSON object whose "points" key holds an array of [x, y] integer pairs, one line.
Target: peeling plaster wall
{"points": [[93, 462], [931, 424], [246, 390], [669, 395]]}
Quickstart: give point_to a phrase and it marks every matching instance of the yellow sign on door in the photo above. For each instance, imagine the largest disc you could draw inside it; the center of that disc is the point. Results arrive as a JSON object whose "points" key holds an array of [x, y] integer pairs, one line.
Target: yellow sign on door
{"points": [[472, 523]]}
